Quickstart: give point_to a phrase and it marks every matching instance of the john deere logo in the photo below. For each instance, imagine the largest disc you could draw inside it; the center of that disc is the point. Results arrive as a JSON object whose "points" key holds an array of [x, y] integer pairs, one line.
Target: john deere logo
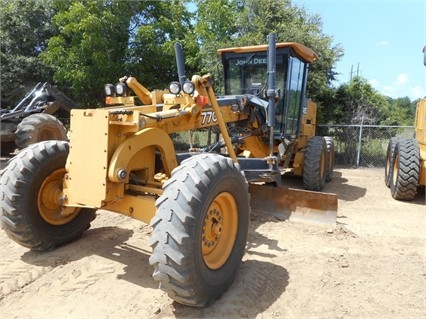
{"points": [[253, 61]]}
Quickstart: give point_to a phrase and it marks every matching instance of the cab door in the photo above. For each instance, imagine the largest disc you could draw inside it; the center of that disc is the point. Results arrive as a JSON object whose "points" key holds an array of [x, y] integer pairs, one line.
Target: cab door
{"points": [[290, 112]]}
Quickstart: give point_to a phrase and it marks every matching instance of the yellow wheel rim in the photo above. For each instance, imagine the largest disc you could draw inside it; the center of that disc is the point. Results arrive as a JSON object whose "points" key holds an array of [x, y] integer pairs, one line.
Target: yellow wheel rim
{"points": [[395, 169], [50, 203], [388, 163], [219, 230]]}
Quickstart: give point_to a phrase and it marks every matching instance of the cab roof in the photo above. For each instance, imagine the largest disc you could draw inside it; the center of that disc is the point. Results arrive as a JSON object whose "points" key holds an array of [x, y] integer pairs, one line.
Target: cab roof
{"points": [[307, 54]]}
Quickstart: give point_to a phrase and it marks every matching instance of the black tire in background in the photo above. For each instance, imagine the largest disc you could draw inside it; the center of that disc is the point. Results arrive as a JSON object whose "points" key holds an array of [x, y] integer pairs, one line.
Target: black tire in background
{"points": [[406, 169], [31, 215], [389, 160], [39, 127], [200, 229], [330, 158], [315, 164]]}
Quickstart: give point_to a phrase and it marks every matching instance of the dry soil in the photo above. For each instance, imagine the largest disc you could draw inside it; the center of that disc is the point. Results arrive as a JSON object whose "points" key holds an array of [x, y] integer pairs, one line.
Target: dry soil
{"points": [[372, 265]]}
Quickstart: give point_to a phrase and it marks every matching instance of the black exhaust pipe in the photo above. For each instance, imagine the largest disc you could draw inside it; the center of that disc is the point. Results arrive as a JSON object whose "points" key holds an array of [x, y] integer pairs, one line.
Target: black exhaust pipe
{"points": [[271, 92], [180, 62]]}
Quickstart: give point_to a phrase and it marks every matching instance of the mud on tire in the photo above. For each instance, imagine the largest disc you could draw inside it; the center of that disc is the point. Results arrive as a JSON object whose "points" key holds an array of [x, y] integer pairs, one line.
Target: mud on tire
{"points": [[200, 229], [29, 189]]}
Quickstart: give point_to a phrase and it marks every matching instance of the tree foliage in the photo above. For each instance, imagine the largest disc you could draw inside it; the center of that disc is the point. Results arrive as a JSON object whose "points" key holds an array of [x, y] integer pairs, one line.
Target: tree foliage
{"points": [[400, 111], [215, 27], [100, 41], [80, 45], [357, 102], [90, 46], [24, 33], [155, 30]]}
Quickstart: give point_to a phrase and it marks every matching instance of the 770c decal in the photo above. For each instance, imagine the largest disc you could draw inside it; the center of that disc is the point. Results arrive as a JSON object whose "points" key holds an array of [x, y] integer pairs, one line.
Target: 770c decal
{"points": [[208, 117]]}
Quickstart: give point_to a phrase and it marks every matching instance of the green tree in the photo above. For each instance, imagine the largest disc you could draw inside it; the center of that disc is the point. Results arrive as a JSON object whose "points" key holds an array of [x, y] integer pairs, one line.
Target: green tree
{"points": [[99, 41], [215, 27], [25, 30], [90, 47], [155, 30], [354, 103], [400, 111], [358, 102]]}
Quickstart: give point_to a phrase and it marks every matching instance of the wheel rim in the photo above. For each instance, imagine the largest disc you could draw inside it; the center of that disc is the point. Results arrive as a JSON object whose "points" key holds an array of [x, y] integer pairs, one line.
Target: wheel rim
{"points": [[219, 230], [388, 167], [395, 170], [49, 200], [49, 134]]}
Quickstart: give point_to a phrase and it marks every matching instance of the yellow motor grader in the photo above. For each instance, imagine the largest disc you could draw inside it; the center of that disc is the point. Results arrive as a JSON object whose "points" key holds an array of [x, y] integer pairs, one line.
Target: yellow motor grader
{"points": [[121, 158]]}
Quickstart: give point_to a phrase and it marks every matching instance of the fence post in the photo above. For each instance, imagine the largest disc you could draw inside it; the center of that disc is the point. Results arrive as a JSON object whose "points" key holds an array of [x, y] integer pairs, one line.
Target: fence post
{"points": [[359, 143]]}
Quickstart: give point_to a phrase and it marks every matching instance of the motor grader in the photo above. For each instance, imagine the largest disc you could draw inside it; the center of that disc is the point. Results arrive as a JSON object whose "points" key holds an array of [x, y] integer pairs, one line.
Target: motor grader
{"points": [[121, 158], [405, 168]]}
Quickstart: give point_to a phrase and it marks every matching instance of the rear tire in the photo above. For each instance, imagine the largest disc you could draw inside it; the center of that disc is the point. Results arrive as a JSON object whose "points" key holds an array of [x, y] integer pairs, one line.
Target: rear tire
{"points": [[39, 127], [406, 169], [30, 187], [200, 229], [314, 166], [390, 154]]}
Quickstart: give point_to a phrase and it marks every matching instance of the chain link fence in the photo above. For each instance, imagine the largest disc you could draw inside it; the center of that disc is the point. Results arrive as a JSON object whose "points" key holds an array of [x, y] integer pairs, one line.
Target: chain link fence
{"points": [[362, 145]]}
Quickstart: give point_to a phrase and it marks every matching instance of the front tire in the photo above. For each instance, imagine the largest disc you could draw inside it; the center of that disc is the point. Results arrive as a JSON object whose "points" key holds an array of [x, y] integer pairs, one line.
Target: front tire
{"points": [[200, 229], [39, 127], [314, 166], [30, 187], [406, 169]]}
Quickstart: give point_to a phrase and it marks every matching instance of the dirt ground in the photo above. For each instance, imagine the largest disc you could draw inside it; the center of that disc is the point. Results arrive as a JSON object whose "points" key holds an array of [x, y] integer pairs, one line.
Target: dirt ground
{"points": [[372, 265]]}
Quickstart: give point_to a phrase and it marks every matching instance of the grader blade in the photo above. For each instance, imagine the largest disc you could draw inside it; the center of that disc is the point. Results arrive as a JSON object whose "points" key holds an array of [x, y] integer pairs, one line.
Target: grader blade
{"points": [[295, 204]]}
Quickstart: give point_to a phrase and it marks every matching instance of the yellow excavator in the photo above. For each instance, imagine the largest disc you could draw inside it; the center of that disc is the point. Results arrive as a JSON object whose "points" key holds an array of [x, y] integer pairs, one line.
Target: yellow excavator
{"points": [[122, 158]]}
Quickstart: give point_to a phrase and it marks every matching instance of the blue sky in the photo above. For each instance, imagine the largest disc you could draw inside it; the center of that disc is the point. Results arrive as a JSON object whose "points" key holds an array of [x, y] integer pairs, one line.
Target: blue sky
{"points": [[384, 37]]}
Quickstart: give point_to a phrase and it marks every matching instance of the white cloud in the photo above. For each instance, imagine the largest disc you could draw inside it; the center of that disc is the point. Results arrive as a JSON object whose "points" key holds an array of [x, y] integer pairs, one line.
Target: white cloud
{"points": [[401, 79], [395, 91], [382, 43], [399, 87], [374, 83], [402, 87], [417, 92], [388, 90]]}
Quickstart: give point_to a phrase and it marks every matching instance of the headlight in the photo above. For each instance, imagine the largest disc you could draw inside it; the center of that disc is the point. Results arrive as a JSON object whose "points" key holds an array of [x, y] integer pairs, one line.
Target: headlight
{"points": [[188, 87], [174, 87], [120, 88], [109, 90]]}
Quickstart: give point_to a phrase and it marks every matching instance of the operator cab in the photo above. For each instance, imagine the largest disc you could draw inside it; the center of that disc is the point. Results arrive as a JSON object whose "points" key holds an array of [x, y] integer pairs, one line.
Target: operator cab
{"points": [[245, 71]]}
